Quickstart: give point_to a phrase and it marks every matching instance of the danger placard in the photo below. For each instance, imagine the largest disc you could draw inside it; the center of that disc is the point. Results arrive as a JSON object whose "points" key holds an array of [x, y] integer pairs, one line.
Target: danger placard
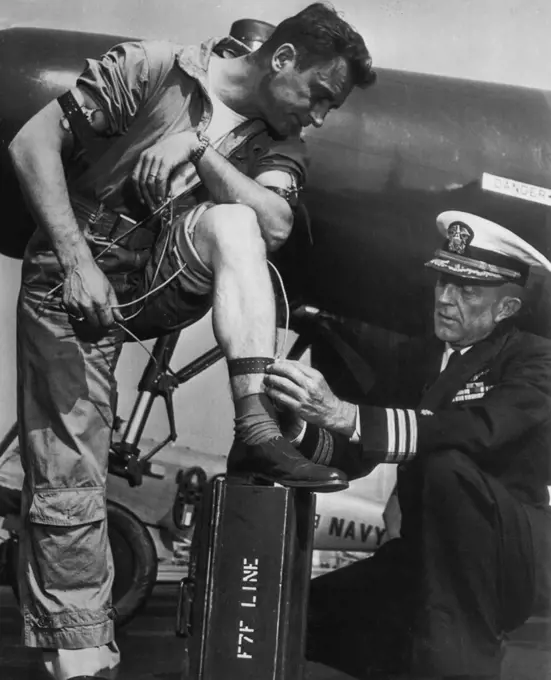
{"points": [[511, 187]]}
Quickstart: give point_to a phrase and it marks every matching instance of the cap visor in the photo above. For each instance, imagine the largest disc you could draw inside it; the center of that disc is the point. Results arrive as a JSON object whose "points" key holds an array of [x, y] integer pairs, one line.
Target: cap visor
{"points": [[464, 270]]}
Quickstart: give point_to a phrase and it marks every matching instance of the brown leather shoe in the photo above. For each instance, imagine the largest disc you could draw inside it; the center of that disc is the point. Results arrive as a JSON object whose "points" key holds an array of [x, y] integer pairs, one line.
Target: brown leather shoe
{"points": [[278, 461]]}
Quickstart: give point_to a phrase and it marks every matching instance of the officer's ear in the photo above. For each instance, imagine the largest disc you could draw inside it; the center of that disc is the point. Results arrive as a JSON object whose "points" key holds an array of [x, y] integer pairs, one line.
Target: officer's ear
{"points": [[284, 56], [508, 307]]}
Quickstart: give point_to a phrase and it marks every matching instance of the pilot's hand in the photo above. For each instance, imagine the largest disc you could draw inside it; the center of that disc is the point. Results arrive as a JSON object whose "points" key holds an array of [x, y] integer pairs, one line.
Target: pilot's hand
{"points": [[304, 390], [152, 172], [89, 296]]}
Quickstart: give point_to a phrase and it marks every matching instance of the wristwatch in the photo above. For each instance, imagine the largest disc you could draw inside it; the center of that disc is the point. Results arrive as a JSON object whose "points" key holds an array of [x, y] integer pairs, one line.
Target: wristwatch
{"points": [[197, 153]]}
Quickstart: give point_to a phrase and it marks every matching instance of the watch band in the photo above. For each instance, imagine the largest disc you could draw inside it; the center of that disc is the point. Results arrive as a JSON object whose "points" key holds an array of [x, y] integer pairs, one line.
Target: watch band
{"points": [[197, 153]]}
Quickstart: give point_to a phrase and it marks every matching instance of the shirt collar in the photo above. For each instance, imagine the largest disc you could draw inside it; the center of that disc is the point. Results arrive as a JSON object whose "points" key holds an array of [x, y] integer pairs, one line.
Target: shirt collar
{"points": [[194, 59], [449, 349], [448, 352]]}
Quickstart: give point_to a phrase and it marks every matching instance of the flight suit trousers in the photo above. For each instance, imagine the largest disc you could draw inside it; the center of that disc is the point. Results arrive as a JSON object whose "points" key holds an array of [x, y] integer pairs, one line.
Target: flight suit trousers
{"points": [[66, 399], [66, 404], [435, 602]]}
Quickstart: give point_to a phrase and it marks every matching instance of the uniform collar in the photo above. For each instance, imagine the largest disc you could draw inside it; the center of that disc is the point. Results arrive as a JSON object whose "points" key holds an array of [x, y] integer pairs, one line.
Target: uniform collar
{"points": [[194, 59], [448, 351]]}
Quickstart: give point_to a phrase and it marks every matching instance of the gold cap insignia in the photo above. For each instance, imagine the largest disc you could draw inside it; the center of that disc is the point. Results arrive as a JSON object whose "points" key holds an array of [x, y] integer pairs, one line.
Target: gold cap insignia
{"points": [[459, 237]]}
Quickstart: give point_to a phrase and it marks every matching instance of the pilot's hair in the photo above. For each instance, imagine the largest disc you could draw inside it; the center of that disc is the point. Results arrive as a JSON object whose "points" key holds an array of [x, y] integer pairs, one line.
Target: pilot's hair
{"points": [[319, 35]]}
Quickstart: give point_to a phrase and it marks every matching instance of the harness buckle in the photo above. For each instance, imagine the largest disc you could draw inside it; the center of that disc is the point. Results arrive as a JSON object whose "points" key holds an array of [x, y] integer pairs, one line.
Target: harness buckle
{"points": [[97, 214]]}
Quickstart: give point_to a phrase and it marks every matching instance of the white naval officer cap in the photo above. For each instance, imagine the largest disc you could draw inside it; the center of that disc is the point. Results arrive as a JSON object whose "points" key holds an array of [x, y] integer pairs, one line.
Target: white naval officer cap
{"points": [[480, 250]]}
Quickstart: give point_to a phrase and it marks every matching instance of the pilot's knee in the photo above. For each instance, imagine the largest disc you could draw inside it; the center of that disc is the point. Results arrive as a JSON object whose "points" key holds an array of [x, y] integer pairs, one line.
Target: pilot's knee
{"points": [[234, 231]]}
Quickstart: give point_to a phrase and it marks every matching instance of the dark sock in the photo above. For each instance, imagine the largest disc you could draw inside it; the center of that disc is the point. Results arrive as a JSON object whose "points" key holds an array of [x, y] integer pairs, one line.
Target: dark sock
{"points": [[255, 419]]}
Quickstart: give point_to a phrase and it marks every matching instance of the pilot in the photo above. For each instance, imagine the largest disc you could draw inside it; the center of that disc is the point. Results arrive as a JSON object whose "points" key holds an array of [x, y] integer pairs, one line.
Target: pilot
{"points": [[219, 137], [471, 440]]}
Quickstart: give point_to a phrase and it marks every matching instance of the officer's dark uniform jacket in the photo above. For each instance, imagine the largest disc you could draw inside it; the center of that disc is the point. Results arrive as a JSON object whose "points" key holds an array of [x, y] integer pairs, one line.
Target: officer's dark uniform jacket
{"points": [[490, 414], [494, 405]]}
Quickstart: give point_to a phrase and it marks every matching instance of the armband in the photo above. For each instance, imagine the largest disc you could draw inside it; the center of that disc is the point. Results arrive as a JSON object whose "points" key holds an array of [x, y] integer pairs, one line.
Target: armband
{"points": [[290, 195], [77, 119]]}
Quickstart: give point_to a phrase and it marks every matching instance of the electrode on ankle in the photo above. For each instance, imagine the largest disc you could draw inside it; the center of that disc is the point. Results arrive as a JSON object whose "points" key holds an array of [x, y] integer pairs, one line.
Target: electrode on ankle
{"points": [[249, 365]]}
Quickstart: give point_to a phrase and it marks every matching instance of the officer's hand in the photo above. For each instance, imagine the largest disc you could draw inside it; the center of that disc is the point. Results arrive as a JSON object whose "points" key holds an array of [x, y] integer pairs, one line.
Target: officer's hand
{"points": [[88, 295], [303, 390], [152, 172]]}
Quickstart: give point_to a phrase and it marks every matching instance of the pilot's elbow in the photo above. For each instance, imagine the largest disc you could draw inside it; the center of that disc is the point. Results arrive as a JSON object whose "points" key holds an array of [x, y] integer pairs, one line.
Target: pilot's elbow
{"points": [[277, 233], [21, 149], [17, 149]]}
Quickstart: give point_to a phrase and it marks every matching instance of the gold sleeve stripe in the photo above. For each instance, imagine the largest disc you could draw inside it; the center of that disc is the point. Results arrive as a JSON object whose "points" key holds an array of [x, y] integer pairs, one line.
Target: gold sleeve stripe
{"points": [[325, 447], [402, 432], [391, 429], [413, 432], [320, 443]]}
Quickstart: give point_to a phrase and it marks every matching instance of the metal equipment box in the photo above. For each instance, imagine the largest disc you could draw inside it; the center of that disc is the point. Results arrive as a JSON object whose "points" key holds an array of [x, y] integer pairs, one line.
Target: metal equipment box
{"points": [[248, 582]]}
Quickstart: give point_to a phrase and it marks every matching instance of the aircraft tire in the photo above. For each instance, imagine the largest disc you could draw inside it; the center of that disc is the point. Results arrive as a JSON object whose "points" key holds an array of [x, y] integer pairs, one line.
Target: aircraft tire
{"points": [[134, 557]]}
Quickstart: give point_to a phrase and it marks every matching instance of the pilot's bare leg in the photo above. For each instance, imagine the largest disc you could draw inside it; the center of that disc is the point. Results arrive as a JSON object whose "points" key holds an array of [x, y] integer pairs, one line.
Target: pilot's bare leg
{"points": [[225, 247], [228, 240]]}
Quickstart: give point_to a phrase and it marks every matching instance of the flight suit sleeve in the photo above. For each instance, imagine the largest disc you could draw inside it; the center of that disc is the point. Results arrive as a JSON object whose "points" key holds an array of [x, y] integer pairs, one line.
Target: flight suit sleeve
{"points": [[122, 80], [289, 155]]}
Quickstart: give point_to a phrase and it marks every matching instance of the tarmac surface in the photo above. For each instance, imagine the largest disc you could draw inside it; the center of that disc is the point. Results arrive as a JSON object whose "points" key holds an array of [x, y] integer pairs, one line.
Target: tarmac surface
{"points": [[151, 651]]}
